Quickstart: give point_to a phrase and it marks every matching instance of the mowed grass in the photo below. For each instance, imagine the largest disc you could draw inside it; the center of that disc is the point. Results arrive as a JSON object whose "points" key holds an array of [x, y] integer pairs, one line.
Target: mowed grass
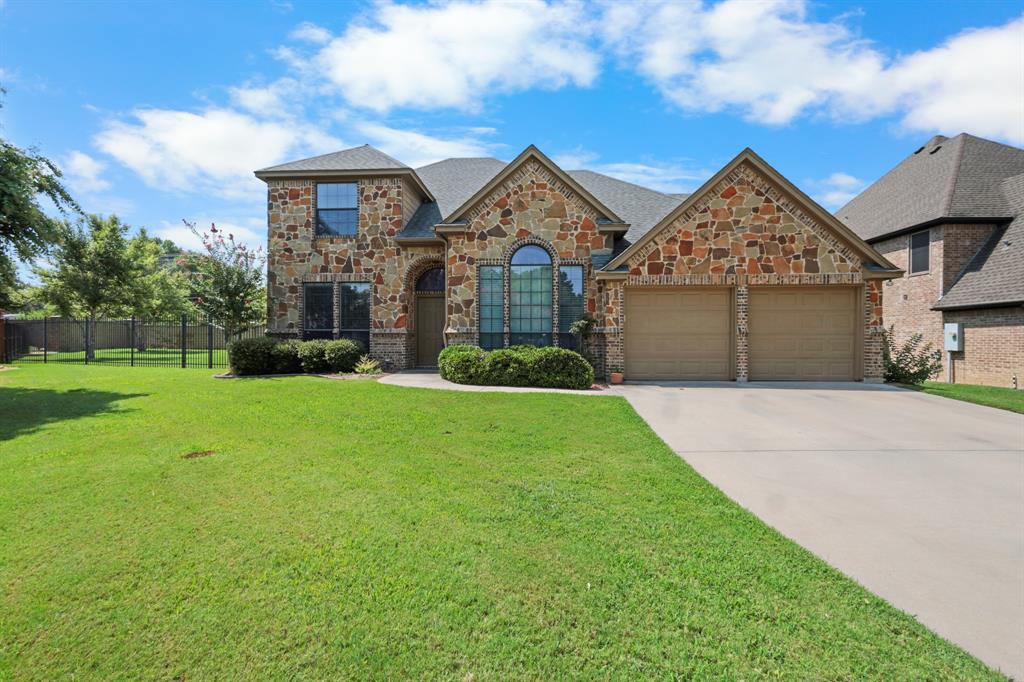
{"points": [[992, 396], [348, 529]]}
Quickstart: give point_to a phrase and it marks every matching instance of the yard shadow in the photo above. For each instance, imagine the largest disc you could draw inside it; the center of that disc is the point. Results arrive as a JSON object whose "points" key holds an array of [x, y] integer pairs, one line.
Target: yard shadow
{"points": [[24, 410]]}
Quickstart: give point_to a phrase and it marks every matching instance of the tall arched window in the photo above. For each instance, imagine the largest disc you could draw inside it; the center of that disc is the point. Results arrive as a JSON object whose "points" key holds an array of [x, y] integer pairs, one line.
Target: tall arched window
{"points": [[530, 297]]}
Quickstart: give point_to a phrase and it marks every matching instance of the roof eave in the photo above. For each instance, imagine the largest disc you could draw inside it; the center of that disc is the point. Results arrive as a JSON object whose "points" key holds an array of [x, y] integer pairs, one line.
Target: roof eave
{"points": [[947, 220], [270, 174], [419, 241], [1008, 303], [611, 275]]}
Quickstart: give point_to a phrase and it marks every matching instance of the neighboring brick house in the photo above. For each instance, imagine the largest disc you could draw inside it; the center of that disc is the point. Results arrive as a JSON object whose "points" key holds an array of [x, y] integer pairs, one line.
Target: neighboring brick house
{"points": [[747, 278], [952, 216]]}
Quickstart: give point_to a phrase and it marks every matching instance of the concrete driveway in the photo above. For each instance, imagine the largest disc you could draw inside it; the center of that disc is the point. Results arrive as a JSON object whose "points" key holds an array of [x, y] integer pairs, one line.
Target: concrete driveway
{"points": [[919, 498]]}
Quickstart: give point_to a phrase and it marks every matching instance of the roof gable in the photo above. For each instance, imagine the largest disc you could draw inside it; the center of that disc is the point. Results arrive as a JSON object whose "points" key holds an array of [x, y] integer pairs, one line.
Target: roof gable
{"points": [[796, 202], [529, 154]]}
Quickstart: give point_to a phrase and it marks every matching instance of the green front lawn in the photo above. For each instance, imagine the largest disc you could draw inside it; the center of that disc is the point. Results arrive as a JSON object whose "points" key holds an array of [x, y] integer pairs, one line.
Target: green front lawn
{"points": [[164, 357], [349, 529], [992, 396]]}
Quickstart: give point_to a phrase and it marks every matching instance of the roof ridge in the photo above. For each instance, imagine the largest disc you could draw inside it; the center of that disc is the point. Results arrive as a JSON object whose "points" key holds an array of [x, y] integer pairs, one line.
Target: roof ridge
{"points": [[625, 182], [955, 176]]}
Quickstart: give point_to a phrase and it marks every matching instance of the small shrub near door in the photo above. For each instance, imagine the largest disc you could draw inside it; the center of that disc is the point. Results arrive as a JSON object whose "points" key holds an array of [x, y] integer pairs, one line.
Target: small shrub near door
{"points": [[516, 366], [911, 362], [265, 355]]}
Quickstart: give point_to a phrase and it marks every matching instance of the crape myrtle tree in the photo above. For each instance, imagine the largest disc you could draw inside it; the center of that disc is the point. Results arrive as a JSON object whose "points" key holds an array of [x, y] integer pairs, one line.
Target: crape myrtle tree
{"points": [[226, 280]]}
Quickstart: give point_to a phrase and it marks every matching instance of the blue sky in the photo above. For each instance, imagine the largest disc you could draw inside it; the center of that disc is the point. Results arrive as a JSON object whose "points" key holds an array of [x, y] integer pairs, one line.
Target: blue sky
{"points": [[161, 111]]}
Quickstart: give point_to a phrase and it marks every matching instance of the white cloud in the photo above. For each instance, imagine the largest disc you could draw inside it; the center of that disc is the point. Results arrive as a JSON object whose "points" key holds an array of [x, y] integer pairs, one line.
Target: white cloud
{"points": [[281, 98], [771, 63], [453, 54], [667, 177], [83, 173], [214, 151], [309, 32], [837, 189], [418, 149]]}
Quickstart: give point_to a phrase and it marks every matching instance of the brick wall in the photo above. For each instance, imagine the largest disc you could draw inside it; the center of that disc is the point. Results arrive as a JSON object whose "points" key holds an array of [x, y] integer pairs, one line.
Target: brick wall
{"points": [[993, 346], [908, 301]]}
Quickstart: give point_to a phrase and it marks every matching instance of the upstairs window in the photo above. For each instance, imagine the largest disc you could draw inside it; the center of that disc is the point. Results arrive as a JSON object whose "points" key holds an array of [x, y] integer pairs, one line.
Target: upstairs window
{"points": [[337, 209], [919, 252]]}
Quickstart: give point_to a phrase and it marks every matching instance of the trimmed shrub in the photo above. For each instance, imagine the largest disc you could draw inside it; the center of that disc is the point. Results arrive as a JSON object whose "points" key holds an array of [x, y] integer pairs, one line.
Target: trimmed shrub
{"points": [[560, 368], [910, 362], [343, 354], [516, 366], [285, 357], [313, 356], [252, 356], [461, 364]]}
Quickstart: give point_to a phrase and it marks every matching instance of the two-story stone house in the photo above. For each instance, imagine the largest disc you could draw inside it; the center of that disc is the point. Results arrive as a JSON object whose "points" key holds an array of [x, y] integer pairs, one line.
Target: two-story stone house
{"points": [[952, 216], [747, 278]]}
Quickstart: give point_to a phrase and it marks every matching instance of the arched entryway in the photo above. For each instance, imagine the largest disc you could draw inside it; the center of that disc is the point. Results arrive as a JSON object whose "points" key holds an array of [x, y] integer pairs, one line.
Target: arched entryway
{"points": [[429, 316]]}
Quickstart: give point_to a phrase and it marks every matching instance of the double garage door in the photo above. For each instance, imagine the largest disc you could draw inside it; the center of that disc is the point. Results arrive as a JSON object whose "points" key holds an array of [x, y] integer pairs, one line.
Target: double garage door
{"points": [[794, 333]]}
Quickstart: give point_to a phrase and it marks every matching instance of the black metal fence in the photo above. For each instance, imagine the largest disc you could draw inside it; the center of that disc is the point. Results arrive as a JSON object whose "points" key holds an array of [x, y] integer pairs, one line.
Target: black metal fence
{"points": [[184, 342]]}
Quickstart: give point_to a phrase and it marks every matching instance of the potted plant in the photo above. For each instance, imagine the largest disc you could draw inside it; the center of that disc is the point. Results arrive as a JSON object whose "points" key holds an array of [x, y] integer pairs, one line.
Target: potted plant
{"points": [[615, 375]]}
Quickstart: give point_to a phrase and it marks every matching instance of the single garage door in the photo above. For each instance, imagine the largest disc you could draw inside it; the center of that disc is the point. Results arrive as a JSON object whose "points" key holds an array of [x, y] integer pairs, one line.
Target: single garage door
{"points": [[678, 333], [803, 334]]}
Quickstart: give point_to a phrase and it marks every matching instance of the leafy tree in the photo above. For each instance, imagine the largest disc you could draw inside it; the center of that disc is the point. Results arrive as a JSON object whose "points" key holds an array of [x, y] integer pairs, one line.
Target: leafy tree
{"points": [[26, 232], [97, 271], [226, 281]]}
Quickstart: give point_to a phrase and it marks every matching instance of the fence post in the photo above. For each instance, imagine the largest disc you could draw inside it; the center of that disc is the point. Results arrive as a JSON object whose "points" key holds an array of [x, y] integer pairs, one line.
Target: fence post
{"points": [[46, 337], [3, 338], [209, 343], [184, 340], [132, 342], [88, 326]]}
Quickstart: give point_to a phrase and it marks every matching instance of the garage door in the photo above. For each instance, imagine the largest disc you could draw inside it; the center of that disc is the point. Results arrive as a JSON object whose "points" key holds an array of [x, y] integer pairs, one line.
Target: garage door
{"points": [[803, 334], [678, 334]]}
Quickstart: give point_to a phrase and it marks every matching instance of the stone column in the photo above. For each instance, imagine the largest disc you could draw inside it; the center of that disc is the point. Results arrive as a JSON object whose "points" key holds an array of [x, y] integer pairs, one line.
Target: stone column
{"points": [[874, 367], [742, 343]]}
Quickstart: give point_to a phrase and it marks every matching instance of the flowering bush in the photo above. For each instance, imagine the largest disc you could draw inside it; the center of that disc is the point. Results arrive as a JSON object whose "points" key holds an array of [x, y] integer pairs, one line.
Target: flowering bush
{"points": [[226, 280], [909, 362]]}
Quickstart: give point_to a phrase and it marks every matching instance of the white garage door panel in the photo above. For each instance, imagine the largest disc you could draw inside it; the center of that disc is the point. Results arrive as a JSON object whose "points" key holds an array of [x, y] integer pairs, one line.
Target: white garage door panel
{"points": [[678, 333], [803, 334]]}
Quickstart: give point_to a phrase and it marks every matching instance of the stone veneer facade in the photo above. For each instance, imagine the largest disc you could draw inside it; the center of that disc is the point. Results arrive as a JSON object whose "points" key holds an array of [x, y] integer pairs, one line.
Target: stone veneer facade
{"points": [[744, 232]]}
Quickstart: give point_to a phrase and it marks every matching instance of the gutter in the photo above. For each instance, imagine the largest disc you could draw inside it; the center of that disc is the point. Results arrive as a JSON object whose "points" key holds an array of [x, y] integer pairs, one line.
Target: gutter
{"points": [[997, 220], [974, 306]]}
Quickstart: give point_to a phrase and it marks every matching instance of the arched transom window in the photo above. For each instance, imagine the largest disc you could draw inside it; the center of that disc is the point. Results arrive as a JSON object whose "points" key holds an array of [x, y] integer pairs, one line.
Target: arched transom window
{"points": [[431, 281], [530, 297]]}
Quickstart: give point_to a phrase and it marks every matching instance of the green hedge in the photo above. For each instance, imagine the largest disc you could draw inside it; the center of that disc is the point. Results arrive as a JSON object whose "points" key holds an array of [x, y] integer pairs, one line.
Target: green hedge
{"points": [[516, 366], [265, 355]]}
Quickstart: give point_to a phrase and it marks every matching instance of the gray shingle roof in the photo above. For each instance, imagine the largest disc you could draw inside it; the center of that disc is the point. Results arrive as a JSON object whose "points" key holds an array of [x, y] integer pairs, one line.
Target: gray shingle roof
{"points": [[364, 157], [996, 274], [947, 178], [639, 206], [453, 181]]}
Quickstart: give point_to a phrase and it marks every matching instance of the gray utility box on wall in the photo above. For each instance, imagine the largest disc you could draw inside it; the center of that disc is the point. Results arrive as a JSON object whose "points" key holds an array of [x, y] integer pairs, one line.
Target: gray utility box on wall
{"points": [[954, 336]]}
